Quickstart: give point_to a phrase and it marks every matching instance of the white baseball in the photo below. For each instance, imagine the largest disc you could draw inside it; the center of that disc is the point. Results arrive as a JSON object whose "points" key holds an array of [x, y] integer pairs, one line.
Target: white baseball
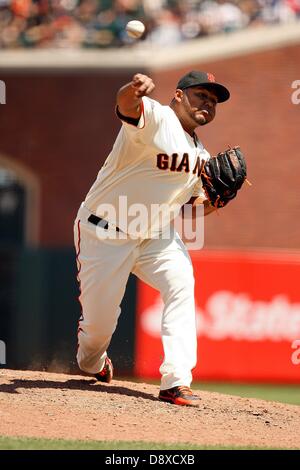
{"points": [[135, 29]]}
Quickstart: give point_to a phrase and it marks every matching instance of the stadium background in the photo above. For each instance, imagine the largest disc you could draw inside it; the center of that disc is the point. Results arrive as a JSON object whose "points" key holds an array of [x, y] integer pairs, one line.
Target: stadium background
{"points": [[57, 127]]}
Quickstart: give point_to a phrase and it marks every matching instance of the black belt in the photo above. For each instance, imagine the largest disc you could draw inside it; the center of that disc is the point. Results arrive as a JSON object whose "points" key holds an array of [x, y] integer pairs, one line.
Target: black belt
{"points": [[94, 219]]}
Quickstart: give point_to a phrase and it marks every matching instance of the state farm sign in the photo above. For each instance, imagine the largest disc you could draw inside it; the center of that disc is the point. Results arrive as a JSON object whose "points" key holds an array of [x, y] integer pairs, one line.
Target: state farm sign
{"points": [[237, 316], [246, 321]]}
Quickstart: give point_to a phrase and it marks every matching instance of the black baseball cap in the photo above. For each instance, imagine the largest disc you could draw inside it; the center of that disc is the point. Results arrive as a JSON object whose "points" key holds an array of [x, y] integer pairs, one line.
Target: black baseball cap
{"points": [[206, 80]]}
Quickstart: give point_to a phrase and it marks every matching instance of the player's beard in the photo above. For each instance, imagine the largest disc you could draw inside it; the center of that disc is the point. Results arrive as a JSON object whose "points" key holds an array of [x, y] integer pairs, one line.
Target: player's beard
{"points": [[201, 121], [200, 116], [204, 118], [204, 115]]}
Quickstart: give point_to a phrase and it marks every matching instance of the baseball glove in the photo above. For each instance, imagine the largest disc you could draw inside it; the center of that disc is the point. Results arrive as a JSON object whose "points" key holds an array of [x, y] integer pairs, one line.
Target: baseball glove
{"points": [[223, 175]]}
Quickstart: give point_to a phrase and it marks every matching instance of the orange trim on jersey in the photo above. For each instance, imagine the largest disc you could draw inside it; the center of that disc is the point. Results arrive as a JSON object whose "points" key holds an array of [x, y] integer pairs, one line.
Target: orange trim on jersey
{"points": [[141, 115]]}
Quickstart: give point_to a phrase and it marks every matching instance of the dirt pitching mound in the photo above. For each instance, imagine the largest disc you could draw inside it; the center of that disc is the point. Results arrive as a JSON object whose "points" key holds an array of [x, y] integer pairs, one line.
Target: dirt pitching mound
{"points": [[48, 405]]}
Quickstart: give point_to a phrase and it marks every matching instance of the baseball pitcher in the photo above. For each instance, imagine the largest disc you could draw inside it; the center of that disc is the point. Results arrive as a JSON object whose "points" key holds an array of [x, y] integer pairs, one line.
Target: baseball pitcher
{"points": [[156, 166]]}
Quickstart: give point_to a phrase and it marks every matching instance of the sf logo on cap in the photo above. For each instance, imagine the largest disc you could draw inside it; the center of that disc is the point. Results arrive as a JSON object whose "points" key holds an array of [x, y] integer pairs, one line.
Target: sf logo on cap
{"points": [[211, 77]]}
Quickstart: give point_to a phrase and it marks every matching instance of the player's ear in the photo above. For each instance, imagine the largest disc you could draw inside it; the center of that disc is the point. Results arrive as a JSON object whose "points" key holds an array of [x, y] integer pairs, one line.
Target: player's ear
{"points": [[178, 95]]}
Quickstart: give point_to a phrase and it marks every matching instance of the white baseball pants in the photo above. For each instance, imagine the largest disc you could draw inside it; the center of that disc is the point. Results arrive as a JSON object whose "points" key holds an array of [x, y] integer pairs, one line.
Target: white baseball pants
{"points": [[104, 266]]}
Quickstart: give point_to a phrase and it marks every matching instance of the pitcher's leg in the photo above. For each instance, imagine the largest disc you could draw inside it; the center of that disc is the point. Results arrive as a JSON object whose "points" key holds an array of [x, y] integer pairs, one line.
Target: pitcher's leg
{"points": [[166, 266], [103, 270]]}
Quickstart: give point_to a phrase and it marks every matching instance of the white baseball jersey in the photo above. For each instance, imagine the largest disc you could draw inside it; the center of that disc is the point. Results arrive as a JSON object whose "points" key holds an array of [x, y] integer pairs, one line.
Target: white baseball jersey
{"points": [[155, 164]]}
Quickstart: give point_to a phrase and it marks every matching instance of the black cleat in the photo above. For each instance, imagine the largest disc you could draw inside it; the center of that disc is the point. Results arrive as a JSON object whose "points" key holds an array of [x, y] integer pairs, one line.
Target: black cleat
{"points": [[180, 395]]}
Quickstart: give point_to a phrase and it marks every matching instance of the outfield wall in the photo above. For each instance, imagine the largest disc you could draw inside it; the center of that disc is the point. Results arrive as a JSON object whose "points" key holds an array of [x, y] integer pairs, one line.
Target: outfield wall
{"points": [[247, 316], [58, 123]]}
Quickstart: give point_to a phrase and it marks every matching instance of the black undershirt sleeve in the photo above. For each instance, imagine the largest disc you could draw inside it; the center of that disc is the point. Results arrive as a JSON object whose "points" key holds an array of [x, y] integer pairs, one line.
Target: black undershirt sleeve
{"points": [[129, 120]]}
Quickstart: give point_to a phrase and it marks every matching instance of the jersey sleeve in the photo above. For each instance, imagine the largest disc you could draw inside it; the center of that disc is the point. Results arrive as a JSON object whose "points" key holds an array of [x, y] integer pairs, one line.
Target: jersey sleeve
{"points": [[147, 125]]}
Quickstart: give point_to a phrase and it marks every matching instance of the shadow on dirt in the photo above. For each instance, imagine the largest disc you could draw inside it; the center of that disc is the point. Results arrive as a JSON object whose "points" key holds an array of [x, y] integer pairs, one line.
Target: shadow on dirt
{"points": [[73, 384]]}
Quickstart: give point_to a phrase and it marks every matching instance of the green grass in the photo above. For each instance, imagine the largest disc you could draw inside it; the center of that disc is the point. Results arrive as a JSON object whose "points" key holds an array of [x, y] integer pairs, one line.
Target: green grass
{"points": [[22, 443], [282, 393]]}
